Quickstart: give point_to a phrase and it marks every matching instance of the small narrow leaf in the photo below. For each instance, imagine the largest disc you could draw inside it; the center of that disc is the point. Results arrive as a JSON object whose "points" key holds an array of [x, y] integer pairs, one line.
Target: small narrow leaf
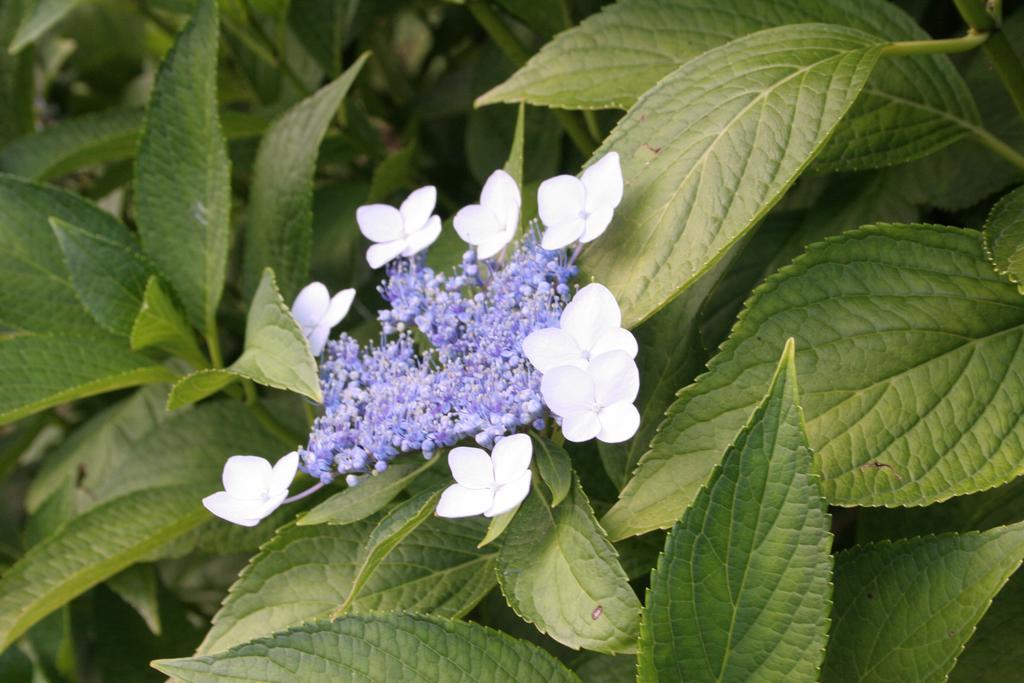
{"points": [[708, 151], [395, 646], [39, 18], [743, 586], [554, 466], [497, 527], [182, 175], [276, 354], [304, 573], [514, 165], [385, 537], [90, 548], [1004, 236], [109, 274], [903, 610], [280, 231], [368, 497], [51, 369], [559, 572], [137, 586], [160, 324]]}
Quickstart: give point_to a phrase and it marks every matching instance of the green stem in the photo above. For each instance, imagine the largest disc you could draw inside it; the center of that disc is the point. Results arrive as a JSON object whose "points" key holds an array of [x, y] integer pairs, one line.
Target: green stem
{"points": [[590, 118], [998, 48], [213, 341], [517, 54], [946, 46], [277, 59], [999, 147]]}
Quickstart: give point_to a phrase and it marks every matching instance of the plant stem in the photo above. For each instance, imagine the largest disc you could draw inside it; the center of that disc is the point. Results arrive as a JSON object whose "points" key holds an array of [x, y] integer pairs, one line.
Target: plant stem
{"points": [[999, 147], [998, 48], [213, 341], [937, 47], [308, 492], [517, 54]]}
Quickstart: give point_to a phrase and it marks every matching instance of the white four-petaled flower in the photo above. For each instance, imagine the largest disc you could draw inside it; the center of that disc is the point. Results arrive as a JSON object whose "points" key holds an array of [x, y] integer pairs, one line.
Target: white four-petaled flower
{"points": [[590, 325], [488, 484], [580, 208], [252, 488], [404, 231], [317, 312], [492, 223], [596, 402]]}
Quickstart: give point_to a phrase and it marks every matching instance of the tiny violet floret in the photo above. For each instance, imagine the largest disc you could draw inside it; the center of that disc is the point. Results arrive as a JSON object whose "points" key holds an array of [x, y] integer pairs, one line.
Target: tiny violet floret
{"points": [[317, 312], [485, 484], [252, 488], [596, 402], [405, 231], [492, 223], [589, 326], [580, 209]]}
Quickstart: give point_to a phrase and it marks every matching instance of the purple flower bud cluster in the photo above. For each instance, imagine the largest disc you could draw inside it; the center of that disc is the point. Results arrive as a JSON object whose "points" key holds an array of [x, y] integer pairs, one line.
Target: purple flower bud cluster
{"points": [[449, 365]]}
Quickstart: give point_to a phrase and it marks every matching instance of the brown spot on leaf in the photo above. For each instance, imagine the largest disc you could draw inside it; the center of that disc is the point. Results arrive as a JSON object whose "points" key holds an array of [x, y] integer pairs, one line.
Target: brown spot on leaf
{"points": [[596, 614]]}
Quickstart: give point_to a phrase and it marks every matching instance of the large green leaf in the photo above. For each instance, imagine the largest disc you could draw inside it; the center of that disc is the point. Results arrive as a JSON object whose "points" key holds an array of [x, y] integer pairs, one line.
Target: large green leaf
{"points": [[1004, 236], [43, 370], [280, 231], [559, 572], [305, 573], [713, 146], [993, 654], [89, 549], [391, 647], [903, 610], [743, 587], [37, 295], [182, 174], [911, 106], [276, 354], [909, 346], [109, 273]]}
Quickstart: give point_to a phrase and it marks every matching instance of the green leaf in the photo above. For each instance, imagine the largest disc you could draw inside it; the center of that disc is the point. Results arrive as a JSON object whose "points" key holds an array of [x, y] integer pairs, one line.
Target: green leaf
{"points": [[94, 138], [368, 497], [109, 274], [1004, 236], [280, 231], [909, 346], [160, 324], [396, 526], [96, 444], [276, 354], [993, 654], [904, 610], [90, 548], [41, 16], [304, 573], [42, 370], [182, 174], [705, 163], [37, 295], [514, 165], [554, 467], [16, 79], [559, 572], [497, 527], [323, 29], [743, 586], [910, 108], [137, 586], [398, 647]]}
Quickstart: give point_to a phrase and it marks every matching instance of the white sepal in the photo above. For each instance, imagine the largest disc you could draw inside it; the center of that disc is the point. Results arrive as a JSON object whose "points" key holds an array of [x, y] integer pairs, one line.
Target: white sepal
{"points": [[492, 223], [404, 231], [596, 402], [252, 488], [317, 312], [580, 209], [488, 484]]}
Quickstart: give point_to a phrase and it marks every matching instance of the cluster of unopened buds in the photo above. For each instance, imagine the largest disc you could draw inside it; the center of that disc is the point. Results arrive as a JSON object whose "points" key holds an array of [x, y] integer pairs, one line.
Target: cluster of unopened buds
{"points": [[496, 347]]}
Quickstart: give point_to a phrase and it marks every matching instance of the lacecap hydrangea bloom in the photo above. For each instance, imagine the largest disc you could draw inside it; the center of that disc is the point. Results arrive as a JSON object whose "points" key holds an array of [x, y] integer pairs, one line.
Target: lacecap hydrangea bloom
{"points": [[495, 347]]}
